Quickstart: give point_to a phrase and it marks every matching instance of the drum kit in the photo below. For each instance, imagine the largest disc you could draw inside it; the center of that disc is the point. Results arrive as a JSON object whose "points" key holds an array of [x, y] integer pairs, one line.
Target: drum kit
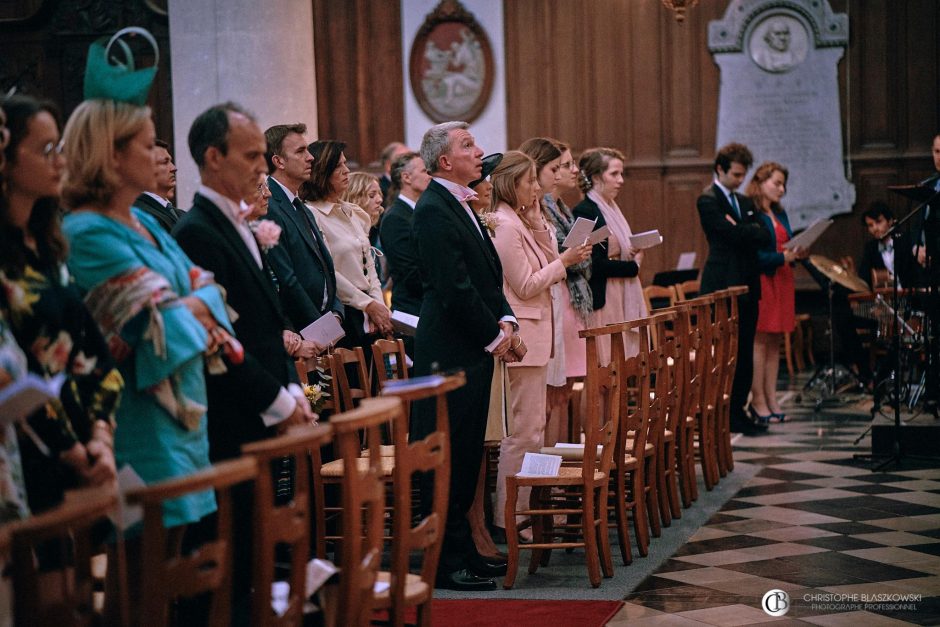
{"points": [[888, 318]]}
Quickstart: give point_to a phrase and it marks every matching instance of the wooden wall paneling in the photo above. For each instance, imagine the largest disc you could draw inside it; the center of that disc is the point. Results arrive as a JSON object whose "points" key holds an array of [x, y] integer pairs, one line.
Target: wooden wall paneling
{"points": [[358, 62], [641, 201], [612, 70], [678, 219], [648, 91], [922, 69], [874, 33]]}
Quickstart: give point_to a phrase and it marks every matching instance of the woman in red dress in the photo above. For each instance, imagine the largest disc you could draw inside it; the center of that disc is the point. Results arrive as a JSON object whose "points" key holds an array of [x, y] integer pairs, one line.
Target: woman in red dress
{"points": [[776, 310]]}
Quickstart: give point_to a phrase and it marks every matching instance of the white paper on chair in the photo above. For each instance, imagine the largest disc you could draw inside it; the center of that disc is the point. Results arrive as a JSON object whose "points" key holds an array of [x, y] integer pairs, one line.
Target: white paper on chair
{"points": [[646, 239], [325, 330], [686, 261], [318, 573], [540, 465], [22, 397]]}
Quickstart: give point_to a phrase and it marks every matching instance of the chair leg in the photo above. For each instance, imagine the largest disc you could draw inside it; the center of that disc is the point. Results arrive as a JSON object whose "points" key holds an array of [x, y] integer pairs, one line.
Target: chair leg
{"points": [[652, 497], [640, 519], [589, 529], [665, 514], [538, 528], [512, 533], [672, 480], [619, 504], [603, 544]]}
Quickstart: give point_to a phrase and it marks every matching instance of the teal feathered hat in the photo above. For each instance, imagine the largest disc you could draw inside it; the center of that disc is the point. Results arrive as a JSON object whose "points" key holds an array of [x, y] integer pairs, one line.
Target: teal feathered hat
{"points": [[108, 78]]}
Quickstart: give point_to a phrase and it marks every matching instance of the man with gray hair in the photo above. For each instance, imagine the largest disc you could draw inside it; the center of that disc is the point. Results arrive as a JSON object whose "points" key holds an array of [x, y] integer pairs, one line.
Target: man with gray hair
{"points": [[464, 323]]}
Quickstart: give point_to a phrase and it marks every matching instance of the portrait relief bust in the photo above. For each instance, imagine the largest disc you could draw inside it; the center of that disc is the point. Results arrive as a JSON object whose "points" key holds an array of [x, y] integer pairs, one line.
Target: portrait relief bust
{"points": [[778, 43]]}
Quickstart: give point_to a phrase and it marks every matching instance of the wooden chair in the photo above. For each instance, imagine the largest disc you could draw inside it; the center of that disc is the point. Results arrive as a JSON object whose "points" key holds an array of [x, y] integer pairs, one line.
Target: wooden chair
{"points": [[667, 391], [425, 535], [705, 386], [350, 390], [658, 295], [730, 339], [322, 368], [585, 484], [164, 574], [391, 364], [687, 342], [63, 596], [277, 524], [363, 498], [687, 290]]}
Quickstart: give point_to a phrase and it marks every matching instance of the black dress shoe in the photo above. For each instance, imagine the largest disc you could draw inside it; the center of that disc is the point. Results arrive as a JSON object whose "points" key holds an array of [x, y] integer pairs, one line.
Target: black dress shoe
{"points": [[464, 581], [485, 567]]}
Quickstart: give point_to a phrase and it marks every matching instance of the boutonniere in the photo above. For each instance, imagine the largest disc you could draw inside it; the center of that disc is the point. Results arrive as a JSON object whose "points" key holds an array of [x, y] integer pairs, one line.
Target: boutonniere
{"points": [[267, 233], [489, 222]]}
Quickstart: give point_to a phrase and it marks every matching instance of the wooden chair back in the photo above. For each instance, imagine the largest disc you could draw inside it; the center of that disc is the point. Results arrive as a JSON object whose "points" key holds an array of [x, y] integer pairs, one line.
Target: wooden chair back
{"points": [[350, 390], [658, 293], [363, 499], [63, 596], [282, 522], [411, 459], [391, 364], [164, 574], [688, 290], [321, 367]]}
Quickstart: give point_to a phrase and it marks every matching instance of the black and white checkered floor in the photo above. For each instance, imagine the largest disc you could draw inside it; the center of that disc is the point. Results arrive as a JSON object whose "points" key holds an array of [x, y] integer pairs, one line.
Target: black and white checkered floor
{"points": [[847, 545]]}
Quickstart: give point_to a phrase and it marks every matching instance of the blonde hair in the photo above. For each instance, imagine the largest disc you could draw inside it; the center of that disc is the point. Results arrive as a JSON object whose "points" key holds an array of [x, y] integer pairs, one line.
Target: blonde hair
{"points": [[358, 189], [513, 166], [93, 131]]}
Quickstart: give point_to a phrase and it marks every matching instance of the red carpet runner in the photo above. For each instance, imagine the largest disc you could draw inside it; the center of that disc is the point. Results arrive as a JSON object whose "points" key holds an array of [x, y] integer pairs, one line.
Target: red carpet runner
{"points": [[518, 613]]}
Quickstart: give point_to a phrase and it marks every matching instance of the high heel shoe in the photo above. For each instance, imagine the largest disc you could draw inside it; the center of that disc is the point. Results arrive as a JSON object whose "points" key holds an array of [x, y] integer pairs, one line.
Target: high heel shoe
{"points": [[761, 420], [778, 417]]}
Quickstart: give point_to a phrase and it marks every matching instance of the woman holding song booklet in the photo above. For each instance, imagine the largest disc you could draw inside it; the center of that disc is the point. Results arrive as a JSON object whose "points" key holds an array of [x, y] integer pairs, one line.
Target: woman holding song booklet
{"points": [[615, 264]]}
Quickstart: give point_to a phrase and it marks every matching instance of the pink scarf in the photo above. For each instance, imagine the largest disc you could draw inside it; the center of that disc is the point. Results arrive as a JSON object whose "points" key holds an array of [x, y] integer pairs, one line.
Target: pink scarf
{"points": [[634, 305]]}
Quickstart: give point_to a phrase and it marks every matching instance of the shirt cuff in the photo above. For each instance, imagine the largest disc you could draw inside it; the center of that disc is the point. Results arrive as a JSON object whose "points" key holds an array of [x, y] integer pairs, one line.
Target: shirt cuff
{"points": [[283, 406], [511, 320], [489, 348]]}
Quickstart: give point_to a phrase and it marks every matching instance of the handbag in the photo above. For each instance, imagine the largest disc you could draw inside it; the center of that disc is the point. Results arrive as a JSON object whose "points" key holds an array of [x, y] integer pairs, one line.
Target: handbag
{"points": [[109, 79]]}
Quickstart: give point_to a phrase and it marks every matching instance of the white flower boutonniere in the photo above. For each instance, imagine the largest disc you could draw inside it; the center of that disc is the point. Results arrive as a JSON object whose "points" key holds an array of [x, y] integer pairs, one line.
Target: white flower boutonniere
{"points": [[267, 233], [489, 222]]}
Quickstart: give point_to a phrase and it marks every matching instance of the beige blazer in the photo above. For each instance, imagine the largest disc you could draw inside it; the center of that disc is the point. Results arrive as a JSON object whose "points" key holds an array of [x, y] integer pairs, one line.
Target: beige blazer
{"points": [[530, 266], [345, 230]]}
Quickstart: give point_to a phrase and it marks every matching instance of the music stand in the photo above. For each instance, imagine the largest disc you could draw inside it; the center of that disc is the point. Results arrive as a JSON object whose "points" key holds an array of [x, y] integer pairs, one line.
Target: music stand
{"points": [[924, 196]]}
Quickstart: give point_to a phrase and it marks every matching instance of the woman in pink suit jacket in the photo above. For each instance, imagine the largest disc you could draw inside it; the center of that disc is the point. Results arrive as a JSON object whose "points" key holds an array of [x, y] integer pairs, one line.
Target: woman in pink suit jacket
{"points": [[529, 255]]}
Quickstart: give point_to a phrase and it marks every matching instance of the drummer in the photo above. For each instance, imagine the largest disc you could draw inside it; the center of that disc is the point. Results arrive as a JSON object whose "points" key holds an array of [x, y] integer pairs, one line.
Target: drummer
{"points": [[881, 253]]}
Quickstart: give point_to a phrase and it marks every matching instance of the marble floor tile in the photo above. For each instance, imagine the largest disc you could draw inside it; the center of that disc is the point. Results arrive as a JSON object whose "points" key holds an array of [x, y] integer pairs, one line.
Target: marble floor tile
{"points": [[794, 533], [908, 523], [630, 612], [785, 515], [709, 533], [797, 496], [888, 555], [853, 619], [920, 498], [705, 576], [729, 615], [834, 482], [896, 538], [823, 469]]}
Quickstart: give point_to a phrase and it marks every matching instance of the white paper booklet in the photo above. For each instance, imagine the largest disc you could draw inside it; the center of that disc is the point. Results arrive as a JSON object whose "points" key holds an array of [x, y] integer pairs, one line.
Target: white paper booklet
{"points": [[540, 465], [404, 323], [646, 239], [325, 330], [686, 261], [810, 235], [22, 397], [583, 232]]}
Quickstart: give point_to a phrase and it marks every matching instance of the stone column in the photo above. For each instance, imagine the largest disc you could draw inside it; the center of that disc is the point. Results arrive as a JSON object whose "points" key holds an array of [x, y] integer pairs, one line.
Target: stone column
{"points": [[258, 54]]}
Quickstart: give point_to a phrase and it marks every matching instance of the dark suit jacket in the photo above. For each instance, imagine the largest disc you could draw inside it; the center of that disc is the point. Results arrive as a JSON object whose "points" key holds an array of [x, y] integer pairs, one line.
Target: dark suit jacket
{"points": [[296, 265], [463, 284], [602, 267], [237, 398], [400, 257], [904, 262], [166, 216], [767, 256], [732, 248], [929, 231]]}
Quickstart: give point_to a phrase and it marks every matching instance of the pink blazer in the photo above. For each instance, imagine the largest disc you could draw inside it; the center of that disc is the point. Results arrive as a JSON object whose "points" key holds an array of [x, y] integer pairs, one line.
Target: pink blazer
{"points": [[530, 266]]}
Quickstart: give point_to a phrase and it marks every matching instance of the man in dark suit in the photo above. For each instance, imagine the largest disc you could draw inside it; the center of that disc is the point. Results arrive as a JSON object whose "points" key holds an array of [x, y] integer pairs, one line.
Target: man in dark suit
{"points": [[301, 260], [250, 400], [881, 253], [926, 235], [389, 154], [158, 201], [464, 322], [734, 234], [410, 176], [259, 397]]}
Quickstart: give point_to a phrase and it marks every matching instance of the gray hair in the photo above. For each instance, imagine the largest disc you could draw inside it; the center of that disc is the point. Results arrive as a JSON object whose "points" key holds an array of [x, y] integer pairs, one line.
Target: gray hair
{"points": [[436, 142]]}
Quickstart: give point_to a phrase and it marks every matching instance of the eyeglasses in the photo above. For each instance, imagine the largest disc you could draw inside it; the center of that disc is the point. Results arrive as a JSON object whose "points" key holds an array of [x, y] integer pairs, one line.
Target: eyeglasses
{"points": [[52, 150]]}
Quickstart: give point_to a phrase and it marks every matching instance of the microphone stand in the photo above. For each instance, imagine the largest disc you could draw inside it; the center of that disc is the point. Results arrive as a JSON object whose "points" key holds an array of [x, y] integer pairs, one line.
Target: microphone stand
{"points": [[897, 455]]}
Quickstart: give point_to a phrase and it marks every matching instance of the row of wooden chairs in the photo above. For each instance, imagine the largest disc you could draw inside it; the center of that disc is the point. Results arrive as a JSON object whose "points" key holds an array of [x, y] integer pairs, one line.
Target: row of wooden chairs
{"points": [[648, 418], [162, 575], [658, 296]]}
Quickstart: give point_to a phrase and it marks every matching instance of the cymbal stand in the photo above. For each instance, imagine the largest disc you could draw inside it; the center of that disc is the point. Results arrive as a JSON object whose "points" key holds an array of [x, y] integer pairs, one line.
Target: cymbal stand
{"points": [[827, 372]]}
